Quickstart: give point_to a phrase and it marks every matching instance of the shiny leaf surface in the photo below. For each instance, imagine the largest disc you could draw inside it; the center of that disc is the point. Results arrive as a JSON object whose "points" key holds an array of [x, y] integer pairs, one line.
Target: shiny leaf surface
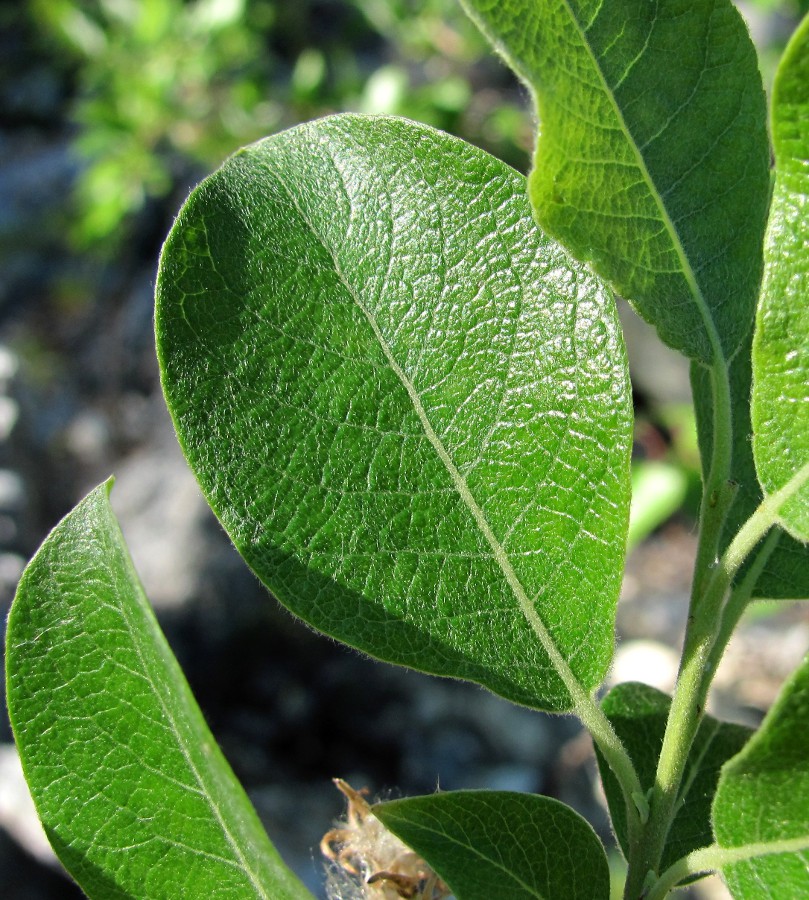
{"points": [[500, 845], [134, 794], [652, 156], [409, 409], [781, 347]]}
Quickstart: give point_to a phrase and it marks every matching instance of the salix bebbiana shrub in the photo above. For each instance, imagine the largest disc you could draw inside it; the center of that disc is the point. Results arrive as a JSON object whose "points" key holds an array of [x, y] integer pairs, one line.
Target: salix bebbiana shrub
{"points": [[397, 372]]}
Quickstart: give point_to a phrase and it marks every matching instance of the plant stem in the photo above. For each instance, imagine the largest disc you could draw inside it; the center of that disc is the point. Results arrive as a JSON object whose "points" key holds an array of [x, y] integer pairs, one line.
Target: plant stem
{"points": [[614, 752], [692, 864], [701, 655], [686, 709], [718, 492], [598, 725], [765, 516]]}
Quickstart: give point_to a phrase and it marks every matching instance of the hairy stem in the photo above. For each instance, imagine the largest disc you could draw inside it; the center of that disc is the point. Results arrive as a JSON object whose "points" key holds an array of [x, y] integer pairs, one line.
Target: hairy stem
{"points": [[706, 598], [707, 628], [765, 516], [614, 752]]}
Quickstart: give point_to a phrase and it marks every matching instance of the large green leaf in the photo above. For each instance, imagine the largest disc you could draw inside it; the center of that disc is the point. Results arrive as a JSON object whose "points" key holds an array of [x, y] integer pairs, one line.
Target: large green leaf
{"points": [[786, 573], [652, 158], [762, 801], [135, 797], [409, 409], [781, 339], [639, 714], [500, 845], [781, 347]]}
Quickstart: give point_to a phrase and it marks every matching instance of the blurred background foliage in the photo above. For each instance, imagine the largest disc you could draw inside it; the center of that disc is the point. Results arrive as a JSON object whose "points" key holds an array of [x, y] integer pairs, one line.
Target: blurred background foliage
{"points": [[163, 90]]}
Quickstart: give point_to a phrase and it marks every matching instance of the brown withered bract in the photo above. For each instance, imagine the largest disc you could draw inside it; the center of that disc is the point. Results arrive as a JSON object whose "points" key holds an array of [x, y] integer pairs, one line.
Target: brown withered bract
{"points": [[382, 867]]}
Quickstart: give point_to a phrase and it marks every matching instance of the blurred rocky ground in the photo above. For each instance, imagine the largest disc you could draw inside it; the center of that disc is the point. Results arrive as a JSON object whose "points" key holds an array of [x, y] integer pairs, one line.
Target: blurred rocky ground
{"points": [[80, 400]]}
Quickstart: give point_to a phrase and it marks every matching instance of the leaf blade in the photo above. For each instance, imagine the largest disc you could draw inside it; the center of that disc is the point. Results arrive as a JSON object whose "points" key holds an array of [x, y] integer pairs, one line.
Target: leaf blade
{"points": [[439, 413], [130, 785], [638, 167], [489, 844], [780, 406], [761, 799]]}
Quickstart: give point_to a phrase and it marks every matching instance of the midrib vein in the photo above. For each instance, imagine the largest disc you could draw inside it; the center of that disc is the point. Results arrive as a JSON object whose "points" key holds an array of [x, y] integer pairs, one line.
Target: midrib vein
{"points": [[460, 485], [205, 791], [576, 690], [241, 860], [718, 856], [685, 265]]}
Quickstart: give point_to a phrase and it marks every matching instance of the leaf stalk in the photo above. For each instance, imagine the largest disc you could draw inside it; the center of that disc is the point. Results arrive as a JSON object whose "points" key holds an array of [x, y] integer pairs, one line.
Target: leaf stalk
{"points": [[713, 858]]}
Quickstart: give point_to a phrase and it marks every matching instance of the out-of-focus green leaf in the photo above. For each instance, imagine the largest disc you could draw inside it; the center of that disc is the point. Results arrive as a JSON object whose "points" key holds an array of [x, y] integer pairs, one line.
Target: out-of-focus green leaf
{"points": [[762, 801], [658, 491], [780, 409], [652, 158], [500, 845], [639, 713], [135, 796], [409, 408]]}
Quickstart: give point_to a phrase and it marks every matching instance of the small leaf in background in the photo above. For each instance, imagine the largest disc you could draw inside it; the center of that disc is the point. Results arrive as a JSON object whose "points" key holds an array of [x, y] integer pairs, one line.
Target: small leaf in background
{"points": [[763, 799], [638, 714], [409, 409], [780, 408], [658, 491], [501, 845], [134, 794], [658, 174]]}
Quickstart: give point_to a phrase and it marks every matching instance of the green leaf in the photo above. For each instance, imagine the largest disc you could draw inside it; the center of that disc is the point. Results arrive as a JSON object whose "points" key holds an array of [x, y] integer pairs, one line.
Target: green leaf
{"points": [[786, 573], [652, 158], [639, 713], [780, 409], [408, 408], [762, 801], [135, 796], [497, 844]]}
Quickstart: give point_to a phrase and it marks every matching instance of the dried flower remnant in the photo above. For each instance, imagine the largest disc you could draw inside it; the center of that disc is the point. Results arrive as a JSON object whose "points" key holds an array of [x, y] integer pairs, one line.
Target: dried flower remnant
{"points": [[371, 863]]}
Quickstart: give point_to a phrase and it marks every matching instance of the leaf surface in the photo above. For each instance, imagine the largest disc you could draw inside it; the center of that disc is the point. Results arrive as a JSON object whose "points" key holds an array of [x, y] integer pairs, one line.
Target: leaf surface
{"points": [[763, 799], [652, 156], [786, 573], [408, 408], [135, 796], [780, 410], [501, 845]]}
